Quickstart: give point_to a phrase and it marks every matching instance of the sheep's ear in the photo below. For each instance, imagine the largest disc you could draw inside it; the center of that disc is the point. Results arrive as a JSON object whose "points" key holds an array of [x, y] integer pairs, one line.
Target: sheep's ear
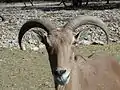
{"points": [[76, 39], [77, 36]]}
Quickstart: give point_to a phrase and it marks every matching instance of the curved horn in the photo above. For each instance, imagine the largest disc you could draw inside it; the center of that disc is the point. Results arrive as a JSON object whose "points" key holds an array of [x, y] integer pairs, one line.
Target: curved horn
{"points": [[83, 20], [42, 23]]}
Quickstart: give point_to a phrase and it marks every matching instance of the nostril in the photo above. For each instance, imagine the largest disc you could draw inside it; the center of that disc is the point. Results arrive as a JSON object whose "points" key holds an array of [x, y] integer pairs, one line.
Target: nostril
{"points": [[56, 73], [62, 71], [59, 72]]}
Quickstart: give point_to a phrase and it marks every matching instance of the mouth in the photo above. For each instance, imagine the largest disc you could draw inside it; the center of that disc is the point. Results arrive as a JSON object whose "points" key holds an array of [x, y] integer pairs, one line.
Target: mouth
{"points": [[63, 79]]}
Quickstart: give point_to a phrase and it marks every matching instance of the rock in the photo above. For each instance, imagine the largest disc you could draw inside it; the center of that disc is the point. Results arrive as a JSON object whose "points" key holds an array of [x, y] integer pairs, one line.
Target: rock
{"points": [[97, 42], [85, 42]]}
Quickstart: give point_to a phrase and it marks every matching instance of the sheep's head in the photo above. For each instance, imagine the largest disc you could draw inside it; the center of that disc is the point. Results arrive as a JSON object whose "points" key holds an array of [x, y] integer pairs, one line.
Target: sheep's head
{"points": [[59, 42]]}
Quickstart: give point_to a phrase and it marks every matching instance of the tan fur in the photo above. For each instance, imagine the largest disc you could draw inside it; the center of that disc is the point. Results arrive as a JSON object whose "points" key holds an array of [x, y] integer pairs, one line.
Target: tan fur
{"points": [[97, 74]]}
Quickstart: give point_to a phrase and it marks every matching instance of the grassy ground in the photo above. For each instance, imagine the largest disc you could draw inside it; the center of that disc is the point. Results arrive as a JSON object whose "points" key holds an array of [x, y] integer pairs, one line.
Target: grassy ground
{"points": [[29, 70], [24, 70]]}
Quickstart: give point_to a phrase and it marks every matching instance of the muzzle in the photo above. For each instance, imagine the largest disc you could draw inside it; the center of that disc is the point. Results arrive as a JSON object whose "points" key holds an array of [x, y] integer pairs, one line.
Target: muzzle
{"points": [[61, 76]]}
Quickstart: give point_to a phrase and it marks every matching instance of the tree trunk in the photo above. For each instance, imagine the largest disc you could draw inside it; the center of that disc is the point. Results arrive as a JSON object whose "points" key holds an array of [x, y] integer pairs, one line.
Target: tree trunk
{"points": [[107, 1], [87, 2], [80, 2]]}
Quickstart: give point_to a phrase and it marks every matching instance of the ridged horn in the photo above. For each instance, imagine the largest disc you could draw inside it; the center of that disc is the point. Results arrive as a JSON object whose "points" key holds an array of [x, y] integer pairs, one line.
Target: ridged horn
{"points": [[84, 20], [45, 24]]}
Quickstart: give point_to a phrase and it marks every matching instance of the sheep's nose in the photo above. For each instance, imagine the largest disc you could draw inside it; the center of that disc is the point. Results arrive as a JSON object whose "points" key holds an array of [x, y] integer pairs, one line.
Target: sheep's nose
{"points": [[59, 72]]}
